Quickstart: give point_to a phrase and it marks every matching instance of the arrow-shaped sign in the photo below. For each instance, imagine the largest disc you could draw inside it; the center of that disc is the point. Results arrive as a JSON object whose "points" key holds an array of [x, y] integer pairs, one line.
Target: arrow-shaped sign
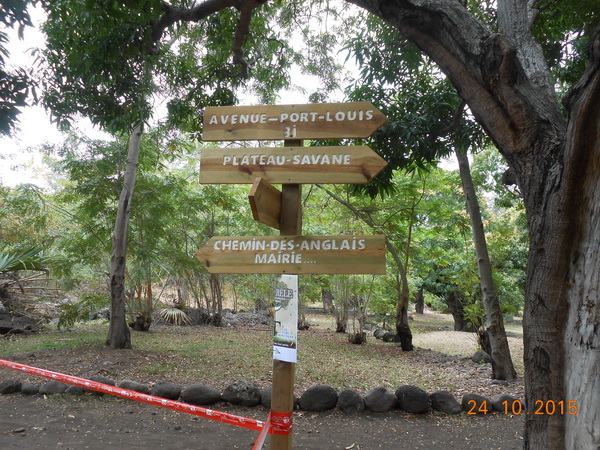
{"points": [[354, 120], [294, 254], [265, 202], [302, 165]]}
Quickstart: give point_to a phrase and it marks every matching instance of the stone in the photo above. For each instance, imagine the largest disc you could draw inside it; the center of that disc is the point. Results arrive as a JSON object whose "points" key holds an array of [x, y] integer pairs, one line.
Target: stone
{"points": [[476, 404], [507, 404], [265, 396], [199, 394], [166, 389], [481, 356], [134, 386], [499, 383], [379, 399], [242, 392], [318, 398], [390, 337], [378, 333], [53, 387], [445, 402], [16, 324], [413, 400], [99, 379], [75, 390], [350, 401], [10, 387], [101, 314], [30, 389]]}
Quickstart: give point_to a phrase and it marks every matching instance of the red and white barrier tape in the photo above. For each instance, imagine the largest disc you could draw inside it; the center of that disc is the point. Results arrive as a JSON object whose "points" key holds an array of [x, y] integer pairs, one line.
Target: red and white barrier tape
{"points": [[277, 423], [262, 436], [281, 424]]}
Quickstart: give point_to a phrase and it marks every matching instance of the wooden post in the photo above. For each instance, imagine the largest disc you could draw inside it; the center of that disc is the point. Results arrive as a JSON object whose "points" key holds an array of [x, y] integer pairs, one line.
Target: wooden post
{"points": [[294, 122], [282, 396]]}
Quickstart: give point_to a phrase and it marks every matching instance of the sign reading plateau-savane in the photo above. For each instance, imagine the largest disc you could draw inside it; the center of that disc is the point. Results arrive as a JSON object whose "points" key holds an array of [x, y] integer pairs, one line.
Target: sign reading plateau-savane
{"points": [[356, 164], [294, 254], [354, 120]]}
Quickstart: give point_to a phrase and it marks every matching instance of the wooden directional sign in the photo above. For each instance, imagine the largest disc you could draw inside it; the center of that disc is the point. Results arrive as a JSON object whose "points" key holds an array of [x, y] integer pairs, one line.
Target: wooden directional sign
{"points": [[294, 254], [302, 165], [265, 202], [355, 120]]}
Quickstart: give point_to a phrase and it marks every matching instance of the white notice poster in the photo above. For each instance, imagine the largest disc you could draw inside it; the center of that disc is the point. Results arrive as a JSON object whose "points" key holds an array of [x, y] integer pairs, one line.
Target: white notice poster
{"points": [[285, 341]]}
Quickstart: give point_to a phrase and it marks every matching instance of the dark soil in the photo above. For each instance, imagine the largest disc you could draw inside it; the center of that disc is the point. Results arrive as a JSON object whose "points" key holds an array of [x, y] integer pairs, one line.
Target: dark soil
{"points": [[73, 422], [91, 422]]}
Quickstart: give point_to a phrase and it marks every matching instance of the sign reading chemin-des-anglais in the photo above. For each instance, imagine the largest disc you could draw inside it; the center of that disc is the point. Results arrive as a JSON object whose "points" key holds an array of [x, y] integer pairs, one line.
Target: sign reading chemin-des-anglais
{"points": [[294, 254]]}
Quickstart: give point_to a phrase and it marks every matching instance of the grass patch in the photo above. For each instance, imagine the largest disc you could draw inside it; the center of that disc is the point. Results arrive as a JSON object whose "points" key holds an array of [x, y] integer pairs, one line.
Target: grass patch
{"points": [[87, 337], [160, 368], [219, 356]]}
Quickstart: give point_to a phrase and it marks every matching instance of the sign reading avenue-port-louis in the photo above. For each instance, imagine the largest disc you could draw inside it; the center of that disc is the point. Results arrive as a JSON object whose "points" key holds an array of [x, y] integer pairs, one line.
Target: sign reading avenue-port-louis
{"points": [[354, 120], [291, 164], [295, 254]]}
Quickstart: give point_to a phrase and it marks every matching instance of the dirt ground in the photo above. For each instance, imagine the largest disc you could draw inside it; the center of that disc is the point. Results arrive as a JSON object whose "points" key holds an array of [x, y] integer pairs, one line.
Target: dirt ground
{"points": [[89, 422], [68, 422]]}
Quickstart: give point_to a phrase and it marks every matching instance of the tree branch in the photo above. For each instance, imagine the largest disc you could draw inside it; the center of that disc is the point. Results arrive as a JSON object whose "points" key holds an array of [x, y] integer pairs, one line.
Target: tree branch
{"points": [[589, 79], [173, 14], [453, 125], [505, 93], [372, 224], [583, 148], [242, 30]]}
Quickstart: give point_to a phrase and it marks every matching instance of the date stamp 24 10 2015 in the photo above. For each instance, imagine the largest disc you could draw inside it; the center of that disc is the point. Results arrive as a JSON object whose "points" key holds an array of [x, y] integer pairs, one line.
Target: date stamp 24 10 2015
{"points": [[515, 407]]}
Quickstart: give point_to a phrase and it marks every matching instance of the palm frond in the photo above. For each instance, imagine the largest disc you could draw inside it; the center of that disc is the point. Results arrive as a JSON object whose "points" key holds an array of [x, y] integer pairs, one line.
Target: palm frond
{"points": [[174, 316], [28, 259]]}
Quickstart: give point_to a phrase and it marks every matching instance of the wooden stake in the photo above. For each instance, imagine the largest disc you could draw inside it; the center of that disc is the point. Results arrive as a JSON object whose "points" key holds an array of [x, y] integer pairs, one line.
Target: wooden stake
{"points": [[282, 395]]}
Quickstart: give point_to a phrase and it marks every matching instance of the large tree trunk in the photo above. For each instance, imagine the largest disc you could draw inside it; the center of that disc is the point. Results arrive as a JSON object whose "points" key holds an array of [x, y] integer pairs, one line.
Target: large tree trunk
{"points": [[504, 79], [118, 333], [502, 365], [582, 327]]}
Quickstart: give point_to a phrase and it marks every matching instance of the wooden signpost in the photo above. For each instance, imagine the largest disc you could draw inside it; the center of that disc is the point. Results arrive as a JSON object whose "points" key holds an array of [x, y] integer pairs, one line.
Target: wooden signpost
{"points": [[355, 120], [291, 165], [295, 254], [265, 202], [342, 164]]}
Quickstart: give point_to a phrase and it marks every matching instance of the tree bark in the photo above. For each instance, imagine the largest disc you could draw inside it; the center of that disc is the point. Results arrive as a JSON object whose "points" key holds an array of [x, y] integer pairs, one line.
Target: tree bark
{"points": [[582, 327], [402, 326], [341, 315], [327, 299], [504, 80], [502, 365], [456, 308], [420, 301], [118, 333]]}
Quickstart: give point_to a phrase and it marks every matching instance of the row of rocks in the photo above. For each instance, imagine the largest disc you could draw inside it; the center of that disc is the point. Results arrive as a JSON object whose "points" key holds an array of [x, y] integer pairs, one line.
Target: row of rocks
{"points": [[407, 398]]}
